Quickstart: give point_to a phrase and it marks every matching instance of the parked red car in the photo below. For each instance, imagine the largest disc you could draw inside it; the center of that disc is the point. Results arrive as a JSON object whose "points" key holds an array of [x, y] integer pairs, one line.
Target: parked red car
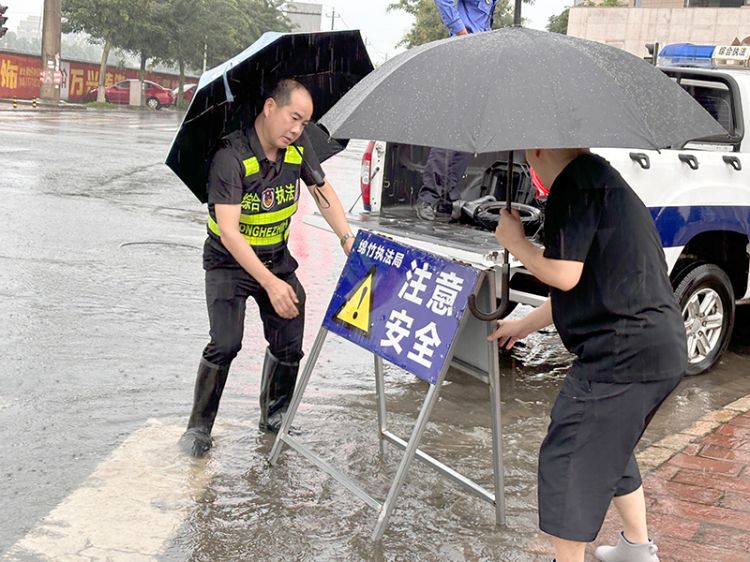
{"points": [[187, 92], [155, 96]]}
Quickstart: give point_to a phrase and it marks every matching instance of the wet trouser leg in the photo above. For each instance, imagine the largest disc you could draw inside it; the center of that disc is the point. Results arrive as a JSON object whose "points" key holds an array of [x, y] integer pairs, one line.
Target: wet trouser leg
{"points": [[281, 363], [442, 176], [225, 298]]}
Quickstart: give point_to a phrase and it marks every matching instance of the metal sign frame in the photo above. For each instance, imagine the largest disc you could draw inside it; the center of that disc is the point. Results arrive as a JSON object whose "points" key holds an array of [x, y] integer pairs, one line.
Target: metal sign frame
{"points": [[489, 372]]}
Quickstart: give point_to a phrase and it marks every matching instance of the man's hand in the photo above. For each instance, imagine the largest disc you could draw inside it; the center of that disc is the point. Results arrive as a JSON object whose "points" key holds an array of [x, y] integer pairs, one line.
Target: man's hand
{"points": [[463, 32], [282, 297], [509, 332], [509, 232]]}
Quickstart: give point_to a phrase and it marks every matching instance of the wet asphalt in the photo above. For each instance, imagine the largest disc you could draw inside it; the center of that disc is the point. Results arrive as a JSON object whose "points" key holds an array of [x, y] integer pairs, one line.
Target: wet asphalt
{"points": [[103, 317]]}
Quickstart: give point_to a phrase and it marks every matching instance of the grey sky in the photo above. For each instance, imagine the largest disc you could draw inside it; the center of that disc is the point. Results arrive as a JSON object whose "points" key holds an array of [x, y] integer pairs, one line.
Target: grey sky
{"points": [[382, 30]]}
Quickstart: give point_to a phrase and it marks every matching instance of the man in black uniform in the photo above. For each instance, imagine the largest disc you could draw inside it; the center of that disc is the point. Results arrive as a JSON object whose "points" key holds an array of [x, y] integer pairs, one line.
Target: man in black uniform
{"points": [[253, 191], [613, 306]]}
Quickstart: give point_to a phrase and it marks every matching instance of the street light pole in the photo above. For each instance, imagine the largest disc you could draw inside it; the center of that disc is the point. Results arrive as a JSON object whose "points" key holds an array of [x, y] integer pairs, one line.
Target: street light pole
{"points": [[51, 30]]}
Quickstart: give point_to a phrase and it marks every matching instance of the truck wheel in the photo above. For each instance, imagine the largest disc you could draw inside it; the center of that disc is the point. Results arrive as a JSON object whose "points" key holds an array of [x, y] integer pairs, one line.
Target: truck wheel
{"points": [[706, 298]]}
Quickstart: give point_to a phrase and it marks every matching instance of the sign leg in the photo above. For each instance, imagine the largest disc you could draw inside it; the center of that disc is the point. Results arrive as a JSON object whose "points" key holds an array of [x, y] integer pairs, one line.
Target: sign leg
{"points": [[380, 391], [495, 410], [403, 467], [298, 392]]}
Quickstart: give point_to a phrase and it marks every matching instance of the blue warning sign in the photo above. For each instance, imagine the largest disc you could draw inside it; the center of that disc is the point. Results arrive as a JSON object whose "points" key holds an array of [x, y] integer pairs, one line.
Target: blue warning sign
{"points": [[401, 303]]}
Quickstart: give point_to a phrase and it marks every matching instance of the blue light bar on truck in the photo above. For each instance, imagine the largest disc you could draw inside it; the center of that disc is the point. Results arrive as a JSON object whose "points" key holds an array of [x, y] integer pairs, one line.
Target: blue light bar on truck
{"points": [[686, 54]]}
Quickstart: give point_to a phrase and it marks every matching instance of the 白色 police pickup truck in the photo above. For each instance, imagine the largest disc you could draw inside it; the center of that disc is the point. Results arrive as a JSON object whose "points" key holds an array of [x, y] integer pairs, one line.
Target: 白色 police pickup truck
{"points": [[698, 195]]}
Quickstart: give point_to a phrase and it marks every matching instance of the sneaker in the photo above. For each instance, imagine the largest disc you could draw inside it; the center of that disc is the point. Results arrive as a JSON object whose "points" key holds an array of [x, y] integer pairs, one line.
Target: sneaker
{"points": [[627, 552], [427, 212]]}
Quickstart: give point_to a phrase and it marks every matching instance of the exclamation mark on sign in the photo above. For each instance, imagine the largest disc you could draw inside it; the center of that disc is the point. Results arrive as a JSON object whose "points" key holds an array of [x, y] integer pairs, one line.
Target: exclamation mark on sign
{"points": [[356, 310], [361, 298]]}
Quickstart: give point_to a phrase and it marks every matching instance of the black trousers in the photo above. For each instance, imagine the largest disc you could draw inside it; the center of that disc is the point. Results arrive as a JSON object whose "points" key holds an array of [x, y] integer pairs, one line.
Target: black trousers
{"points": [[587, 457], [227, 290], [442, 176]]}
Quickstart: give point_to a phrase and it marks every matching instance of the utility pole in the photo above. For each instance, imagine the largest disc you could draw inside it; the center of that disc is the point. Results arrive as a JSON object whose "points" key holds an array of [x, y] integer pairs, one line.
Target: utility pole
{"points": [[334, 15], [51, 34]]}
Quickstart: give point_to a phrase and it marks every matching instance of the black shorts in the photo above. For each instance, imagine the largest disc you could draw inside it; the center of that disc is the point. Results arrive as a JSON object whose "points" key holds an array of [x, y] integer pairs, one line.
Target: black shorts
{"points": [[587, 456]]}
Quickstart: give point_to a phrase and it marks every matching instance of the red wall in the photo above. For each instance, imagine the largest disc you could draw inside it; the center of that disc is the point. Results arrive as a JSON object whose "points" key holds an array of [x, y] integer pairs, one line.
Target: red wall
{"points": [[20, 77]]}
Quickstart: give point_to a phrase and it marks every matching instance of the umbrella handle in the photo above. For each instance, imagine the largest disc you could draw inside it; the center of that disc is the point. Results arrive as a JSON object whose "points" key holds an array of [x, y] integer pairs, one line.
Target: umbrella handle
{"points": [[310, 159], [500, 311]]}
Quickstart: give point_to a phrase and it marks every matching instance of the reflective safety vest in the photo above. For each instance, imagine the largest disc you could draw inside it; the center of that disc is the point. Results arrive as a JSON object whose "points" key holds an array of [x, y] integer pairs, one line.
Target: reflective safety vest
{"points": [[267, 207]]}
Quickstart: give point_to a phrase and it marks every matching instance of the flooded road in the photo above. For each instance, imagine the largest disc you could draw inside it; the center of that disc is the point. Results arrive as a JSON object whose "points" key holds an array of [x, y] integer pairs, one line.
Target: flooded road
{"points": [[103, 315]]}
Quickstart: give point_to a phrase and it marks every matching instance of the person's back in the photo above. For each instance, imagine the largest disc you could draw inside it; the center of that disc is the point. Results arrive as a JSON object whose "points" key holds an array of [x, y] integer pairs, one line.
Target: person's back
{"points": [[613, 306], [621, 319], [472, 16]]}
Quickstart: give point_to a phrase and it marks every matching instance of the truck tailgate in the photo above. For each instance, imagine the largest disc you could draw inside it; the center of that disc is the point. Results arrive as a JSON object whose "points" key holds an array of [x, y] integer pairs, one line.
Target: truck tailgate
{"points": [[453, 241]]}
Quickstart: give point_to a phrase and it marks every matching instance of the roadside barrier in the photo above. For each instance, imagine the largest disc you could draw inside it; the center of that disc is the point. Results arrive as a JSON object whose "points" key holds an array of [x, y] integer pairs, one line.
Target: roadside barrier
{"points": [[424, 328]]}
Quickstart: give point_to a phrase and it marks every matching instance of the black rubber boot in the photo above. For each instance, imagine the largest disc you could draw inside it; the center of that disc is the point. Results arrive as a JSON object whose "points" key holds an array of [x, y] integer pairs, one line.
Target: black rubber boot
{"points": [[276, 389], [209, 384]]}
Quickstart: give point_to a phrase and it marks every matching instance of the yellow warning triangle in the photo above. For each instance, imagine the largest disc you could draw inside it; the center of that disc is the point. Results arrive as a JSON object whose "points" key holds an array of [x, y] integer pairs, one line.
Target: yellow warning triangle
{"points": [[355, 312]]}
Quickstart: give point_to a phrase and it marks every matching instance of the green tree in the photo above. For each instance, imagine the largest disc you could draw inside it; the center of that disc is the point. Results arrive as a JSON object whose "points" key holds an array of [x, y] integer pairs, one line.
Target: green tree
{"points": [[106, 21], [559, 23], [147, 34], [428, 26], [205, 33]]}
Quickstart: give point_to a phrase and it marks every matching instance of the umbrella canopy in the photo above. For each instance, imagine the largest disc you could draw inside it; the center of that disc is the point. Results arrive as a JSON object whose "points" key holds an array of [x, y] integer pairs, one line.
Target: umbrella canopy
{"points": [[229, 96], [519, 88]]}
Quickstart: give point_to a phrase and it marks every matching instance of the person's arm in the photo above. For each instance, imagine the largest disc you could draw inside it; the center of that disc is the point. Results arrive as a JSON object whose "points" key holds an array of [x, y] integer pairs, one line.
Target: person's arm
{"points": [[510, 331], [333, 212], [281, 294], [558, 273], [450, 16]]}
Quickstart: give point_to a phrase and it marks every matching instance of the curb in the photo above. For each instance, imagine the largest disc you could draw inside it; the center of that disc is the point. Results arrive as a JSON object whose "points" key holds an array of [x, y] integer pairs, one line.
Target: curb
{"points": [[660, 452], [6, 104]]}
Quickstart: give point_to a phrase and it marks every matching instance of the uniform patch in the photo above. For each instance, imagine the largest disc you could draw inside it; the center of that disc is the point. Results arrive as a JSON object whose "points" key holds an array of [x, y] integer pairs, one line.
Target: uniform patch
{"points": [[268, 198]]}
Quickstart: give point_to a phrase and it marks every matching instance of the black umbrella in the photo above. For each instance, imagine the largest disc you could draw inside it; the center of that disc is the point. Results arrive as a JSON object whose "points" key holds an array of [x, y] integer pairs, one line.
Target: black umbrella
{"points": [[230, 95], [517, 88]]}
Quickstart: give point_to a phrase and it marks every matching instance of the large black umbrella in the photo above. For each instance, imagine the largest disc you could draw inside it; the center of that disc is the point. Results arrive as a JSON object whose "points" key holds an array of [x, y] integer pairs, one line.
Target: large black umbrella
{"points": [[518, 88], [228, 96]]}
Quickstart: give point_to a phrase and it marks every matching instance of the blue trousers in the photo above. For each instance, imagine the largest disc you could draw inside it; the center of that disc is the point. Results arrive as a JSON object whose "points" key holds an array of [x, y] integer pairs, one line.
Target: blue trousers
{"points": [[442, 176]]}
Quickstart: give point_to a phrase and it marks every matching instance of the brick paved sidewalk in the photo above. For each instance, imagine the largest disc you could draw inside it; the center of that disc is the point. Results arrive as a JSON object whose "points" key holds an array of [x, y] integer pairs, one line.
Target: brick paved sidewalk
{"points": [[698, 490]]}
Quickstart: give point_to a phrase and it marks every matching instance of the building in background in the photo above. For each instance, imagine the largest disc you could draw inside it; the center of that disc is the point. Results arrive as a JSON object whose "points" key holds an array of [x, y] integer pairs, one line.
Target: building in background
{"points": [[715, 22], [304, 16], [30, 27], [672, 3]]}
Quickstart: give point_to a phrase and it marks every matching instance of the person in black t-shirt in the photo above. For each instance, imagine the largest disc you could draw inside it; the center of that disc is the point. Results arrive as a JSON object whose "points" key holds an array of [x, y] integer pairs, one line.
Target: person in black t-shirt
{"points": [[613, 305], [253, 191]]}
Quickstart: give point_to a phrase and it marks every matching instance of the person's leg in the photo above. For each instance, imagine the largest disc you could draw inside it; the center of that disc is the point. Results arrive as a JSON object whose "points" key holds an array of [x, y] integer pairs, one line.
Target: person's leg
{"points": [[457, 165], [281, 363], [632, 510], [433, 177], [568, 551], [434, 185], [634, 543], [226, 313]]}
